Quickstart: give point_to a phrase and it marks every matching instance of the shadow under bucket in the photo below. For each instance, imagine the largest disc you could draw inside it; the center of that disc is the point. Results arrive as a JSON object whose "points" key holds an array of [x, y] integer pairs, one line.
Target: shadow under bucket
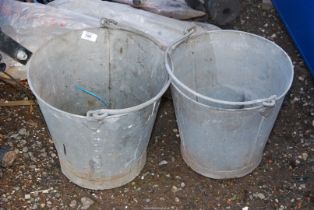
{"points": [[227, 87], [101, 144]]}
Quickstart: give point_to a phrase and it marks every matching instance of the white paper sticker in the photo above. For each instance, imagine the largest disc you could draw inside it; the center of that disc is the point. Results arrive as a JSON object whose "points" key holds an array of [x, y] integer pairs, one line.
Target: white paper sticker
{"points": [[89, 36]]}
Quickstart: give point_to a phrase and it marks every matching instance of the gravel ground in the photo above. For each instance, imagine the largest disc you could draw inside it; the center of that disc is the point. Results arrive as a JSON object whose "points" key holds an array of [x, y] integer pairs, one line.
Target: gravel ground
{"points": [[284, 179]]}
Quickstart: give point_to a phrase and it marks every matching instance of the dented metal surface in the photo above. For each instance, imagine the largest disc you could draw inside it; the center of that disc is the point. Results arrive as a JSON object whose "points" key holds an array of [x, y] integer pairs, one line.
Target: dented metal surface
{"points": [[98, 147]]}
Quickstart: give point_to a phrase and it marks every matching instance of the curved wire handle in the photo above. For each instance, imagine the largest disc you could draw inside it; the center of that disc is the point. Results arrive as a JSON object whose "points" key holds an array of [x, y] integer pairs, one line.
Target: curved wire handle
{"points": [[268, 102]]}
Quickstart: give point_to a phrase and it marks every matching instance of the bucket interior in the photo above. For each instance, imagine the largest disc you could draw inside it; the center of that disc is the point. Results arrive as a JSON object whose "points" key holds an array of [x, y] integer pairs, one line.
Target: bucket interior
{"points": [[123, 68], [232, 66]]}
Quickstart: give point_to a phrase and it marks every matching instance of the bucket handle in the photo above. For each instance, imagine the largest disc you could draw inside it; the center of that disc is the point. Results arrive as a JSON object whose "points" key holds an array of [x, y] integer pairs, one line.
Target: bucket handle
{"points": [[97, 115], [267, 102]]}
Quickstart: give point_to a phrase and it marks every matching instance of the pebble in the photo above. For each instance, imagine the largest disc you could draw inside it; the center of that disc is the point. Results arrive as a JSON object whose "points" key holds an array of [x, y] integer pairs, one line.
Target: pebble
{"points": [[182, 184], [15, 136], [259, 195], [25, 149], [305, 156], [46, 191], [177, 200], [313, 123], [23, 132], [27, 196], [163, 162], [174, 189], [73, 204], [273, 36], [86, 202], [35, 206], [281, 207]]}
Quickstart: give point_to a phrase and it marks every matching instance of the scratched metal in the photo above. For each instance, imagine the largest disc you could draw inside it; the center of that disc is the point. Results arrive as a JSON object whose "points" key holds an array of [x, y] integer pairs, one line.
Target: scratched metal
{"points": [[100, 147]]}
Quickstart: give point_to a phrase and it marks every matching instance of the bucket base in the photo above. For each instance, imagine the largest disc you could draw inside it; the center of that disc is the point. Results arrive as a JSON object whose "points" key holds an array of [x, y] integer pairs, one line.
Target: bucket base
{"points": [[198, 168], [118, 180]]}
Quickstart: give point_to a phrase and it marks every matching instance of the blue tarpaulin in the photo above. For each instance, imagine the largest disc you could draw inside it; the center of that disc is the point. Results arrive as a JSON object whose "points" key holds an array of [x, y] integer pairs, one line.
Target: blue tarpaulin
{"points": [[298, 17]]}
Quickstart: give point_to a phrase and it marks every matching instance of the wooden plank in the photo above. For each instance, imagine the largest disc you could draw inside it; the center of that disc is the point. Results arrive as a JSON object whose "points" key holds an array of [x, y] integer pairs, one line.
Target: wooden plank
{"points": [[17, 103]]}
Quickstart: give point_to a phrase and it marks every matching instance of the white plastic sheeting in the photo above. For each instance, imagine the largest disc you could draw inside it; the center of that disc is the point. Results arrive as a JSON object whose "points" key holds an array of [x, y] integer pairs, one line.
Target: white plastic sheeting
{"points": [[34, 24]]}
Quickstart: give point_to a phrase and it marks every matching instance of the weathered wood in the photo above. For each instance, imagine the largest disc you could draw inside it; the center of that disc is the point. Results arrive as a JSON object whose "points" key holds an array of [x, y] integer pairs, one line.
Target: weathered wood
{"points": [[7, 156], [17, 103]]}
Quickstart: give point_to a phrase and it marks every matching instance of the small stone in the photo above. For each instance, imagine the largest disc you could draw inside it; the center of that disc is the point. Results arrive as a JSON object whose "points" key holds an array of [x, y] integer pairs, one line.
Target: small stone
{"points": [[42, 205], [273, 36], [174, 189], [281, 207], [45, 191], [177, 200], [73, 204], [182, 184], [27, 196], [86, 202], [163, 162], [35, 194], [259, 195], [35, 206], [313, 123], [175, 130], [147, 200], [25, 149], [23, 132], [305, 156], [245, 208], [301, 78]]}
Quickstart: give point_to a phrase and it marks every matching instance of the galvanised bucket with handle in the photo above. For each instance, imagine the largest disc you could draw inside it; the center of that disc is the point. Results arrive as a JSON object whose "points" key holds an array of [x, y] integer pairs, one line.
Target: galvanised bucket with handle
{"points": [[99, 91], [228, 87]]}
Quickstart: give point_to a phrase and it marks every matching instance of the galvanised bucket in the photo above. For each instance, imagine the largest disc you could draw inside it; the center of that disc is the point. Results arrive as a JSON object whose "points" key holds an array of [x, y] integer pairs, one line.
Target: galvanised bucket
{"points": [[227, 87], [99, 91]]}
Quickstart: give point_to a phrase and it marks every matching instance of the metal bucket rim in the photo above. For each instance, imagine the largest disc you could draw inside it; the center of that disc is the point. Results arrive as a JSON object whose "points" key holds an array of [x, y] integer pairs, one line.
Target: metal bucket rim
{"points": [[110, 112], [256, 102]]}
